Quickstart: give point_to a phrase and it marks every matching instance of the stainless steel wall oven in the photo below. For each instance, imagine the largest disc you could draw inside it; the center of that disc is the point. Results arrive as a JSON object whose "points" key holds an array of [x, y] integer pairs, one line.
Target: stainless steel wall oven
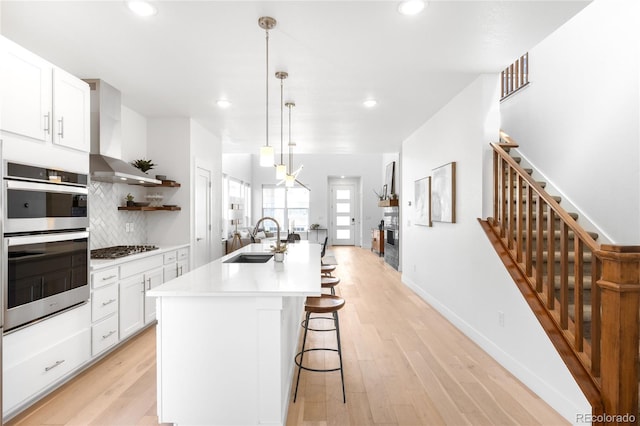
{"points": [[46, 242]]}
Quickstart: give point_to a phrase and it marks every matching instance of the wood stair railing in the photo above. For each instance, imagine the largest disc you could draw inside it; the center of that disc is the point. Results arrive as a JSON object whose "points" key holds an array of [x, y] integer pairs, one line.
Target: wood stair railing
{"points": [[586, 296]]}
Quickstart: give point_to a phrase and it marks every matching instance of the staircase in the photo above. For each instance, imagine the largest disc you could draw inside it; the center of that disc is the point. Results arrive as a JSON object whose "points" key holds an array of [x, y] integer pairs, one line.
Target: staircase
{"points": [[586, 296]]}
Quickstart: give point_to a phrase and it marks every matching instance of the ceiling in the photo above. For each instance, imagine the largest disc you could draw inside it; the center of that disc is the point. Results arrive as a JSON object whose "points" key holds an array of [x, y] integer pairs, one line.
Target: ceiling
{"points": [[337, 54]]}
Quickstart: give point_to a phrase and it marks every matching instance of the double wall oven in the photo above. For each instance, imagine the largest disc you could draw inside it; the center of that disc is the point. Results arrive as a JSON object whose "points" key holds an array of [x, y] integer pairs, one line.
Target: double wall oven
{"points": [[46, 242]]}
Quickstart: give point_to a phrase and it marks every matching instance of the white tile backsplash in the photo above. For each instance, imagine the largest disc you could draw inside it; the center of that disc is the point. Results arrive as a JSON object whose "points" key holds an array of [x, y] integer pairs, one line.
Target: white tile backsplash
{"points": [[107, 223]]}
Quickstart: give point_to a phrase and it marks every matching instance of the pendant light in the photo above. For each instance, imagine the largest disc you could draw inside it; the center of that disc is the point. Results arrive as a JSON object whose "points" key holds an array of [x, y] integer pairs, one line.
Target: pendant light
{"points": [[292, 176], [281, 169], [266, 152]]}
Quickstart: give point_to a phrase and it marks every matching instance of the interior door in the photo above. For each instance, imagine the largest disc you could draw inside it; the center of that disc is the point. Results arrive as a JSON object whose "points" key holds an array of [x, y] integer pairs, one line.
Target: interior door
{"points": [[202, 246], [343, 219]]}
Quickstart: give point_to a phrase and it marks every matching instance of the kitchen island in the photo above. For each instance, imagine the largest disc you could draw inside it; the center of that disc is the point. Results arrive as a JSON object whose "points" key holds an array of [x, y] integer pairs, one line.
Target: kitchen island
{"points": [[227, 335]]}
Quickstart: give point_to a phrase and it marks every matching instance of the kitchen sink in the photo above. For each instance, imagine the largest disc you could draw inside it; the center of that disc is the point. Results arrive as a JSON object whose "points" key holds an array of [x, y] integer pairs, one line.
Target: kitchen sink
{"points": [[250, 258]]}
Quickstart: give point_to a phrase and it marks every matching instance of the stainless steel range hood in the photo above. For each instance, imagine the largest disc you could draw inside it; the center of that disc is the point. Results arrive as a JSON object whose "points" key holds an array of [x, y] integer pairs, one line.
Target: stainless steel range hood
{"points": [[105, 164]]}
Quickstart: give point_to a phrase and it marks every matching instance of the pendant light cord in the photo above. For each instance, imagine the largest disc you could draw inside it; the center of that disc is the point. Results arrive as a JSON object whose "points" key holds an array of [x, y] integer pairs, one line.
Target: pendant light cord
{"points": [[281, 120], [267, 86], [290, 151]]}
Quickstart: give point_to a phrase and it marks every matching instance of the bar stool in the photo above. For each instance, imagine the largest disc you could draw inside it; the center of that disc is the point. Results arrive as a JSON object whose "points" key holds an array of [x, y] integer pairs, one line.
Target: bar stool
{"points": [[325, 304], [330, 283], [326, 270]]}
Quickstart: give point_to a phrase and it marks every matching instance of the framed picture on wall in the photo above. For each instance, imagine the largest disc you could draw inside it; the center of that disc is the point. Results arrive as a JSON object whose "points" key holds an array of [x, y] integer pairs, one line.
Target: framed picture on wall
{"points": [[443, 193], [390, 180], [423, 201]]}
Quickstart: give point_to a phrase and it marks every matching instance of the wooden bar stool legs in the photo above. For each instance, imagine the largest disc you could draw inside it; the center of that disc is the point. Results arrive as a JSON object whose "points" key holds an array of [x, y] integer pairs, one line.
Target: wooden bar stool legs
{"points": [[321, 305]]}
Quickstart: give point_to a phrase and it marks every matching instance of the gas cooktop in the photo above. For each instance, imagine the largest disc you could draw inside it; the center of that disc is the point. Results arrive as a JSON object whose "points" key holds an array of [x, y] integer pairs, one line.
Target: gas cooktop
{"points": [[116, 252]]}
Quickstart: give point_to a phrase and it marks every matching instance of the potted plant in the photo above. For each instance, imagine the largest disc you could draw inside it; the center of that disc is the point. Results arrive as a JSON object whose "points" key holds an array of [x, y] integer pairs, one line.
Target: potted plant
{"points": [[279, 251], [144, 165], [129, 199]]}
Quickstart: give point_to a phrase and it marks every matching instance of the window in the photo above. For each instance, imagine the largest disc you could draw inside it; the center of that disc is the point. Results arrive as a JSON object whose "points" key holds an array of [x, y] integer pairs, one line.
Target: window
{"points": [[289, 206], [515, 76]]}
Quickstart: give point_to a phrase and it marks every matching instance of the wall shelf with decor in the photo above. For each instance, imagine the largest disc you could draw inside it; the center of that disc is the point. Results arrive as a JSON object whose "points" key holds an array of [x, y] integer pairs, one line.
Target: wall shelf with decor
{"points": [[164, 184], [149, 208], [388, 203]]}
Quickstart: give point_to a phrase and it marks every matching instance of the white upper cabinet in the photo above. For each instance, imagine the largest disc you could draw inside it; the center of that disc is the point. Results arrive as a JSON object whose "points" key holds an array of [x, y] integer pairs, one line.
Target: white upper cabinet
{"points": [[71, 97], [40, 101], [25, 92]]}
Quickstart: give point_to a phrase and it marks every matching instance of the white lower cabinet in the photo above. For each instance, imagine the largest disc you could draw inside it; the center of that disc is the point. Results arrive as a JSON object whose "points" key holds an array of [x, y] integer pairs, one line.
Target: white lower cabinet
{"points": [[176, 263], [131, 305], [104, 334], [39, 356], [152, 279]]}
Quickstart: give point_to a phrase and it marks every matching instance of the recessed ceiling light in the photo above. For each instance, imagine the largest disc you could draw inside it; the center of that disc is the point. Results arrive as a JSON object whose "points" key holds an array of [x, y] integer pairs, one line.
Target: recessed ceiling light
{"points": [[223, 103], [142, 8], [411, 7], [370, 103]]}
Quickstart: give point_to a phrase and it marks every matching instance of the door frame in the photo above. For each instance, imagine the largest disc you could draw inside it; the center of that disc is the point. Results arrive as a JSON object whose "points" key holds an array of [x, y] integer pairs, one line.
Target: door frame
{"points": [[209, 205]]}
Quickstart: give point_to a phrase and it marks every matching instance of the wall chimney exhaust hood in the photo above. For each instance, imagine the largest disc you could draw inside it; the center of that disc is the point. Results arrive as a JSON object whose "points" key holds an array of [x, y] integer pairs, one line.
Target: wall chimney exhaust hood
{"points": [[106, 138]]}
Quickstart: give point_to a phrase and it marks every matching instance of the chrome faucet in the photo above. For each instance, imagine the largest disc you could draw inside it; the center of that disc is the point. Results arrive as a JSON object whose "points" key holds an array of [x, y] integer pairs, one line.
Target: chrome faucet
{"points": [[255, 230]]}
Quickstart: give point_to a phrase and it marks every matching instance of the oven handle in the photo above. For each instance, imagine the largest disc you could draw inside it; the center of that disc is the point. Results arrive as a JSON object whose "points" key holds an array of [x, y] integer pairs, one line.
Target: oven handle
{"points": [[45, 238], [44, 187]]}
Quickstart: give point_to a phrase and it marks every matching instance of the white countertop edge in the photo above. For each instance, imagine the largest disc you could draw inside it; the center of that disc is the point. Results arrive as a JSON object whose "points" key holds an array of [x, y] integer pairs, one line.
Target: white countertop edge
{"points": [[97, 264], [299, 276]]}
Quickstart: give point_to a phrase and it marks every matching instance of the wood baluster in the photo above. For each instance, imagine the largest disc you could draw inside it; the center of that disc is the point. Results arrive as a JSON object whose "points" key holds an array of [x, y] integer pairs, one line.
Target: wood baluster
{"points": [[503, 190], [578, 294], [564, 275], [551, 249], [529, 252], [496, 188], [519, 229], [512, 206], [595, 316], [539, 244]]}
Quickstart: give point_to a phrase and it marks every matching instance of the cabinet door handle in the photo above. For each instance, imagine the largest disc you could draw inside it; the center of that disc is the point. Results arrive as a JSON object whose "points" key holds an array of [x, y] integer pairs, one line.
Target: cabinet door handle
{"points": [[109, 334], [108, 302], [180, 269], [51, 367], [61, 131], [47, 123], [109, 277], [148, 283]]}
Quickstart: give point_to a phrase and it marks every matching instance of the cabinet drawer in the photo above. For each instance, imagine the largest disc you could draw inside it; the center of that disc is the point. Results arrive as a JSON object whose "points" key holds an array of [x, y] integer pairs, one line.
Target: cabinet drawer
{"points": [[104, 277], [138, 266], [170, 257], [104, 301], [104, 335], [183, 254], [26, 379]]}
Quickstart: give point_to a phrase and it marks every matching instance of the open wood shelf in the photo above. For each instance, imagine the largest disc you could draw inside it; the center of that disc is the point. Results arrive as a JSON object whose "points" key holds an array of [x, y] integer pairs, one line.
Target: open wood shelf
{"points": [[148, 209], [388, 203], [165, 184]]}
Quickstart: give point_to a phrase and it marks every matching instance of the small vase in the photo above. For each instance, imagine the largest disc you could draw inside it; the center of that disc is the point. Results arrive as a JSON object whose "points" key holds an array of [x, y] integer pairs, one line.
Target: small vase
{"points": [[278, 257]]}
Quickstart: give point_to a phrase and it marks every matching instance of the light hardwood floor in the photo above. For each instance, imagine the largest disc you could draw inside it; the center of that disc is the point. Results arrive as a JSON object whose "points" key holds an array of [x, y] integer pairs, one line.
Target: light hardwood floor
{"points": [[404, 365]]}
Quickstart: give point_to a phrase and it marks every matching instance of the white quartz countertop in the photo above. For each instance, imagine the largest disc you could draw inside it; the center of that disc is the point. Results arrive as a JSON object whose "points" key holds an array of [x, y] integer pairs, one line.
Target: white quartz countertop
{"points": [[298, 275]]}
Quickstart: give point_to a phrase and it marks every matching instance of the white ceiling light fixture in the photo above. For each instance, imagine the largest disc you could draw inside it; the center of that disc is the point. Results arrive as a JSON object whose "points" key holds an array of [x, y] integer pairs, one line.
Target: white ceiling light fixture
{"points": [[281, 168], [223, 103], [266, 152], [411, 7], [142, 8], [370, 103]]}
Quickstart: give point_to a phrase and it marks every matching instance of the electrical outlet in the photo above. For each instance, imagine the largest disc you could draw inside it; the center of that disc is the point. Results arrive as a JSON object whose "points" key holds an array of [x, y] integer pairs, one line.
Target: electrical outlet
{"points": [[127, 227], [501, 318], [131, 227]]}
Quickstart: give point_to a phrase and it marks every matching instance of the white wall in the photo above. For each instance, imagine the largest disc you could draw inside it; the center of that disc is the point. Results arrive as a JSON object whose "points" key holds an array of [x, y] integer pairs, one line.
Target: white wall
{"points": [[454, 267], [207, 152], [579, 120], [237, 166], [170, 148], [315, 174], [134, 136]]}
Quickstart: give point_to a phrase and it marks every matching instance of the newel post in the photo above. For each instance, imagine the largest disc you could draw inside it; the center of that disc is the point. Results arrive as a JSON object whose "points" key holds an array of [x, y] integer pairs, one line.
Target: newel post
{"points": [[620, 297]]}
